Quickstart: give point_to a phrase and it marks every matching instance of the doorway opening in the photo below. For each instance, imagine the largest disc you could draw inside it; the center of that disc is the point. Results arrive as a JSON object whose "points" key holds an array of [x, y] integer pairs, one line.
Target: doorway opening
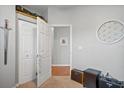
{"points": [[62, 50]]}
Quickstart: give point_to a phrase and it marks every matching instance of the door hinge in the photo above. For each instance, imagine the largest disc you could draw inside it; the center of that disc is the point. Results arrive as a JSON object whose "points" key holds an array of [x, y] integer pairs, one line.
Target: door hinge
{"points": [[37, 55], [36, 73]]}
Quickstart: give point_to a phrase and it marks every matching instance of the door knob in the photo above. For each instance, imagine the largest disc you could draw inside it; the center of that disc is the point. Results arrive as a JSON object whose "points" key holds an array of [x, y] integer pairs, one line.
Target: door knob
{"points": [[27, 55]]}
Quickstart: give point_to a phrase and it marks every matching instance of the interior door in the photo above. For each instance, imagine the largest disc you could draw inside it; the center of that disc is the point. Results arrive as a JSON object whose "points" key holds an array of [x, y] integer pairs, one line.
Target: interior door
{"points": [[43, 59], [7, 47], [27, 32]]}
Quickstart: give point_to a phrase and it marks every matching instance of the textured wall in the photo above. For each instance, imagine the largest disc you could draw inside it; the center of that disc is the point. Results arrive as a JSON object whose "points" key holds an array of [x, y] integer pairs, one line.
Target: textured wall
{"points": [[88, 51]]}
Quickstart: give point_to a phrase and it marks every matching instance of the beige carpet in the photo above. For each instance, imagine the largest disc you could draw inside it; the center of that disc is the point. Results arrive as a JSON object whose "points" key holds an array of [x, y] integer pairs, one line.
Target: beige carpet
{"points": [[54, 82]]}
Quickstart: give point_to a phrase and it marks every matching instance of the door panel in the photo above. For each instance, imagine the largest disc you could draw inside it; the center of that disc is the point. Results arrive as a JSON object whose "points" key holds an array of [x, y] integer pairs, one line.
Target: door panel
{"points": [[27, 51], [43, 62], [7, 72]]}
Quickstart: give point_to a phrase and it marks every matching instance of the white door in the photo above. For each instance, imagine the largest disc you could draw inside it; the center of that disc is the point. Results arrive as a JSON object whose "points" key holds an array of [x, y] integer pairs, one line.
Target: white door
{"points": [[27, 51], [43, 51], [7, 58]]}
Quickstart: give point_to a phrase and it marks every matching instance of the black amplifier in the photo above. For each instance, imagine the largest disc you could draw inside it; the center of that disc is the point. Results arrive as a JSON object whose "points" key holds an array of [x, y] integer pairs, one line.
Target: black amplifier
{"points": [[110, 83]]}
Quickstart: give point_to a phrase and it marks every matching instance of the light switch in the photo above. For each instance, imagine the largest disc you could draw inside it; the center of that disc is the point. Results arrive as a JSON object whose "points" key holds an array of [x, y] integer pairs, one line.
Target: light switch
{"points": [[80, 47]]}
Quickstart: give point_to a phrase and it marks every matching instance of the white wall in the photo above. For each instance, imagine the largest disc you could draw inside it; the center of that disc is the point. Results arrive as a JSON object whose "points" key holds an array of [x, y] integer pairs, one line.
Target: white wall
{"points": [[7, 74], [88, 51], [57, 15]]}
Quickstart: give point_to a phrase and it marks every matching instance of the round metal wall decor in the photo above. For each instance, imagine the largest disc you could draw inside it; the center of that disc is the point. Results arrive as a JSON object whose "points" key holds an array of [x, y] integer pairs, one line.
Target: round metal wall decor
{"points": [[111, 32]]}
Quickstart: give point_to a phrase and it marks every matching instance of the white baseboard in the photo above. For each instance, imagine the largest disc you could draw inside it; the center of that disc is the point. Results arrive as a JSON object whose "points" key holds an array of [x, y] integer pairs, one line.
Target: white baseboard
{"points": [[60, 64]]}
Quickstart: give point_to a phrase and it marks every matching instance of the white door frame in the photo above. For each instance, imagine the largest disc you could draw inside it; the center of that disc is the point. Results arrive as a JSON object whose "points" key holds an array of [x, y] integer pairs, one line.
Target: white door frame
{"points": [[70, 26]]}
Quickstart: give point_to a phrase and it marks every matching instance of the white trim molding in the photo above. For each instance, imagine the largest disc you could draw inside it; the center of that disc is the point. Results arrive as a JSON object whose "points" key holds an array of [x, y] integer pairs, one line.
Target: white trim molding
{"points": [[60, 64]]}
